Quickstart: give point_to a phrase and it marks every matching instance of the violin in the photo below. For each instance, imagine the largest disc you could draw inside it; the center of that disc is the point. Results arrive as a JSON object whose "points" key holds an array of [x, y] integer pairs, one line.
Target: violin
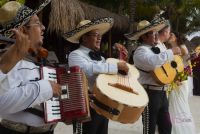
{"points": [[42, 52]]}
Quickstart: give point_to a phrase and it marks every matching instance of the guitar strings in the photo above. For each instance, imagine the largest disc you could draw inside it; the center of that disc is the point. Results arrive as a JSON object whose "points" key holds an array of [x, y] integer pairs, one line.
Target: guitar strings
{"points": [[124, 80]]}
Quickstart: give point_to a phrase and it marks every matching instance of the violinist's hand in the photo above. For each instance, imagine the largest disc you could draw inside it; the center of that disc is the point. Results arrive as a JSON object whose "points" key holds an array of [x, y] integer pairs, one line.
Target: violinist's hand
{"points": [[56, 89], [22, 44]]}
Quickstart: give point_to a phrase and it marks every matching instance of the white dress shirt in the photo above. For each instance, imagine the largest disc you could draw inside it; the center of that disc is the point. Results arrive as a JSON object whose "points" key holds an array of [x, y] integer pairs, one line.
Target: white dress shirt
{"points": [[21, 88], [92, 68], [145, 59]]}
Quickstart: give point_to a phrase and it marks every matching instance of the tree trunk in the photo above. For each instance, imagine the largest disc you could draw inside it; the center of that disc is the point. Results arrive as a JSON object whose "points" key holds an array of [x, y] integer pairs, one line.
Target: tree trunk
{"points": [[132, 4]]}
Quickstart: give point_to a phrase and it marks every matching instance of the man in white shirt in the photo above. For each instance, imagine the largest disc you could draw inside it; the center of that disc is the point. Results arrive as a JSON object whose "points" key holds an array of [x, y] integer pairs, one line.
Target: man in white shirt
{"points": [[88, 34], [147, 57], [20, 85]]}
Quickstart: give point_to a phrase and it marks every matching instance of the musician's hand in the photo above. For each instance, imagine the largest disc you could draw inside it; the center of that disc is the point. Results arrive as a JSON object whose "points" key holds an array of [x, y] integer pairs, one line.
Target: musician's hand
{"points": [[122, 66], [91, 98], [56, 89], [22, 43], [91, 95], [176, 51], [123, 53]]}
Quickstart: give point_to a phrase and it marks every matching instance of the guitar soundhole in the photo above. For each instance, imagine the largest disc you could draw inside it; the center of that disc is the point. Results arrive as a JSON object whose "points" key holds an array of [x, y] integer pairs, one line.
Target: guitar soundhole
{"points": [[173, 64]]}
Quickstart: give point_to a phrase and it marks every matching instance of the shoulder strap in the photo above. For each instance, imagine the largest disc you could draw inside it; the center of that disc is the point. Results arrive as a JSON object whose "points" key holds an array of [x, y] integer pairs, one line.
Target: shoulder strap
{"points": [[35, 112]]}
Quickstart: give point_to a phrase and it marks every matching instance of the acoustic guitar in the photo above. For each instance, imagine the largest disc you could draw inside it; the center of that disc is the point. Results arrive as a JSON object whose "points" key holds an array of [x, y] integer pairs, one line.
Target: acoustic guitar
{"points": [[168, 71], [120, 97]]}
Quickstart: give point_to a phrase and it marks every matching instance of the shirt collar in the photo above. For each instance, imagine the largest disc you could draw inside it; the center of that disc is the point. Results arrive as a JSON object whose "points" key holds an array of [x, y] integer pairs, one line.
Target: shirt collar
{"points": [[147, 45], [85, 49]]}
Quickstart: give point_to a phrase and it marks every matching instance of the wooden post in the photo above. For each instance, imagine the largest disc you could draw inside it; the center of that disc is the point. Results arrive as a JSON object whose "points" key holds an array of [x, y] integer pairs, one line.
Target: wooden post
{"points": [[132, 6], [110, 44]]}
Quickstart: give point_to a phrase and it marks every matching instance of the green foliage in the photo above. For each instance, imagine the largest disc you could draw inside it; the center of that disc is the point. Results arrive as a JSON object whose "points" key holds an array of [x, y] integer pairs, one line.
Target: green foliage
{"points": [[142, 14], [21, 1], [184, 15], [111, 5], [2, 2]]}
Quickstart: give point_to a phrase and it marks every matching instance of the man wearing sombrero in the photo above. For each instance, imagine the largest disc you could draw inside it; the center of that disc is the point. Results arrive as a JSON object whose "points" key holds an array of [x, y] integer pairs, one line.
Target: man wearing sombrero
{"points": [[146, 58], [21, 90], [88, 34]]}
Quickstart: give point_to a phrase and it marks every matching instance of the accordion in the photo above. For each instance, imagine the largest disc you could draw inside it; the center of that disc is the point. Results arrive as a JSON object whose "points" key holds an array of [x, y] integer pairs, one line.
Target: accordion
{"points": [[73, 104]]}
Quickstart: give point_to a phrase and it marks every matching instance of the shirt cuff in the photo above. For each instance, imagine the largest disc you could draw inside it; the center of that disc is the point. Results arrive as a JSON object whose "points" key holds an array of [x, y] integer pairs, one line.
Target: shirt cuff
{"points": [[170, 55], [45, 89], [2, 76], [112, 68]]}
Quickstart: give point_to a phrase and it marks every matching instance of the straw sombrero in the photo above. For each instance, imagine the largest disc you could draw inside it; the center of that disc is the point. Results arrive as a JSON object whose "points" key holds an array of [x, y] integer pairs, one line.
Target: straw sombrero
{"points": [[102, 25], [13, 15], [145, 26]]}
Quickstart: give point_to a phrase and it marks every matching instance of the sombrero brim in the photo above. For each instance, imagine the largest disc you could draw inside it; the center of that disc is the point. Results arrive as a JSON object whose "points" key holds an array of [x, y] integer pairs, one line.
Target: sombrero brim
{"points": [[155, 26], [6, 30], [102, 25]]}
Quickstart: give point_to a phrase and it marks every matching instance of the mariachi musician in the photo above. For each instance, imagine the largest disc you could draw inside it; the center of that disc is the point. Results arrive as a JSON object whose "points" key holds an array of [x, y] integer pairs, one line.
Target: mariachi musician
{"points": [[20, 84], [89, 34], [152, 53]]}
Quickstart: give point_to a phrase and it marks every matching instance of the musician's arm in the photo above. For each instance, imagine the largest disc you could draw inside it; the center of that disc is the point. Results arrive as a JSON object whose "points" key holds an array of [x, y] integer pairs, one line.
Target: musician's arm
{"points": [[146, 60], [91, 67], [7, 78], [24, 96], [184, 50], [9, 59], [16, 52]]}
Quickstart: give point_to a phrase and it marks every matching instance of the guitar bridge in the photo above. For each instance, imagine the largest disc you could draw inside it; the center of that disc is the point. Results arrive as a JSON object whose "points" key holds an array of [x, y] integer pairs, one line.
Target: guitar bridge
{"points": [[123, 87]]}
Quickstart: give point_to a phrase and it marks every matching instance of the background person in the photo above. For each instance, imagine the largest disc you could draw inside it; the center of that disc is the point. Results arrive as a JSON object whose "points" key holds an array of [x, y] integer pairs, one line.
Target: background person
{"points": [[149, 55]]}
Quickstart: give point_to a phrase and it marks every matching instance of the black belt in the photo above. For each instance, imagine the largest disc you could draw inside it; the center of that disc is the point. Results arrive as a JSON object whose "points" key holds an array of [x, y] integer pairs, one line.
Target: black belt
{"points": [[154, 87]]}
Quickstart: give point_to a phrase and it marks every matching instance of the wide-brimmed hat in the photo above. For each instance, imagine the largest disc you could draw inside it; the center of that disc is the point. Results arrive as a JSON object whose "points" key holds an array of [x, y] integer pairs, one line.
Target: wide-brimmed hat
{"points": [[102, 25], [145, 26], [14, 14]]}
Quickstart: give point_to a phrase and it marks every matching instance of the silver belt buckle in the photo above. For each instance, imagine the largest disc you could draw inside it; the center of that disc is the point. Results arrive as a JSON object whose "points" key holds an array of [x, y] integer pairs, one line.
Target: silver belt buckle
{"points": [[14, 126], [22, 128], [42, 129]]}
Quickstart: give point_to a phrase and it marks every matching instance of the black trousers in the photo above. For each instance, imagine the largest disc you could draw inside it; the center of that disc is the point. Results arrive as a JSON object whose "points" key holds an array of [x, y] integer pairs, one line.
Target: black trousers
{"points": [[196, 82], [98, 124], [4, 130], [156, 113]]}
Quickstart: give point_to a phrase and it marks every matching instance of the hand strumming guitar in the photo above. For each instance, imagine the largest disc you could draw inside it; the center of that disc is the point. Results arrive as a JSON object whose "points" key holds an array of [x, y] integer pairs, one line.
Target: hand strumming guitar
{"points": [[122, 67]]}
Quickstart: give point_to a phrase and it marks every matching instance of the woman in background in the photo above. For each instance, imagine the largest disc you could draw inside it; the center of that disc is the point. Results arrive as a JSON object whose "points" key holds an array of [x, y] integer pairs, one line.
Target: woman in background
{"points": [[178, 40], [181, 117]]}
